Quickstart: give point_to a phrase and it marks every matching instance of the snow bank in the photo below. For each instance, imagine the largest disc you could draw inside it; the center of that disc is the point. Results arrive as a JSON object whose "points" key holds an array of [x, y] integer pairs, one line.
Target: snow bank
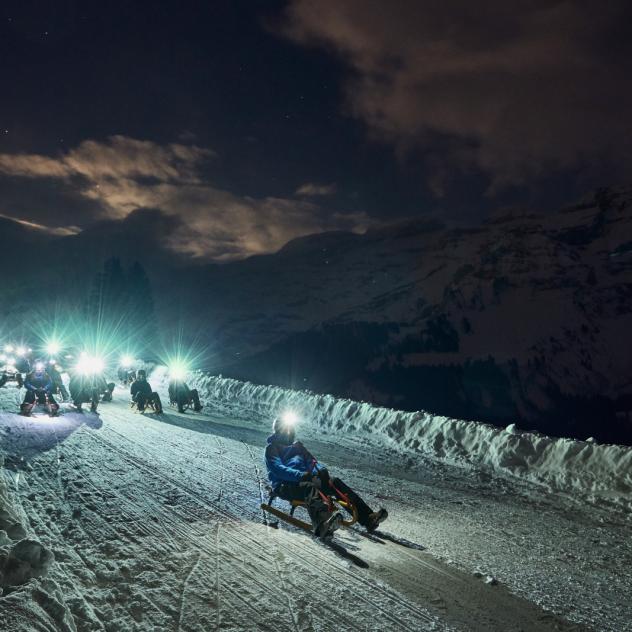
{"points": [[599, 472], [21, 558], [29, 600]]}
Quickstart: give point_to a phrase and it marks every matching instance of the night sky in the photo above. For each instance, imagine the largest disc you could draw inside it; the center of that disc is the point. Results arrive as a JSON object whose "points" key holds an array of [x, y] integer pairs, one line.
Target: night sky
{"points": [[255, 122]]}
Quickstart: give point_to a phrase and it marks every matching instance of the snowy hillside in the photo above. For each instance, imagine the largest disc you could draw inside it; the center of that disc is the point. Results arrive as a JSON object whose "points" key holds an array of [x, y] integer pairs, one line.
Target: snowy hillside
{"points": [[122, 521], [522, 319], [518, 320]]}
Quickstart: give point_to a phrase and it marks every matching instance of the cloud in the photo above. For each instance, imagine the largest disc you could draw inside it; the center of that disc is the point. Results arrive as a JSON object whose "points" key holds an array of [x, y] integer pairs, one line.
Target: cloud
{"points": [[64, 231], [120, 175], [515, 90], [309, 189], [119, 157]]}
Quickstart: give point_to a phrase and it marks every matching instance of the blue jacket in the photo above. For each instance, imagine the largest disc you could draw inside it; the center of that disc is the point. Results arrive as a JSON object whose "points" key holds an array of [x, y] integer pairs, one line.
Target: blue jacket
{"points": [[287, 462], [34, 382]]}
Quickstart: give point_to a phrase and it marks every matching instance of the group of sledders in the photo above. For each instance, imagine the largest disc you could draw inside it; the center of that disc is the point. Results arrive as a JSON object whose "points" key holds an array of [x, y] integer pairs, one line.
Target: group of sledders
{"points": [[294, 472]]}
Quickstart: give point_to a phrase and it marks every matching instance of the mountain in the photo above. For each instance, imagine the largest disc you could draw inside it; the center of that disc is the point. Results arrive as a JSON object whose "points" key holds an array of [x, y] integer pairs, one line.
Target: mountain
{"points": [[524, 319]]}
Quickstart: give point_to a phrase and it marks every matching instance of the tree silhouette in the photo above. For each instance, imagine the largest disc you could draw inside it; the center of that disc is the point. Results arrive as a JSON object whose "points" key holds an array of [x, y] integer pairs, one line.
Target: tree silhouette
{"points": [[120, 309]]}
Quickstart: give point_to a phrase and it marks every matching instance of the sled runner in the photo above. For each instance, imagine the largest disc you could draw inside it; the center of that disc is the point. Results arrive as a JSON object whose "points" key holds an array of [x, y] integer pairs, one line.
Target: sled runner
{"points": [[156, 408], [41, 399], [333, 502]]}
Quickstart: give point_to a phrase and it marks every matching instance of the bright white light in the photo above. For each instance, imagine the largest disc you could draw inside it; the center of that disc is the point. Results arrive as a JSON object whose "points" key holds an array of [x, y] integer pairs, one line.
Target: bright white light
{"points": [[53, 347], [3, 357], [21, 351], [127, 361], [39, 366], [8, 348], [89, 366], [52, 361], [177, 371], [10, 361], [289, 418]]}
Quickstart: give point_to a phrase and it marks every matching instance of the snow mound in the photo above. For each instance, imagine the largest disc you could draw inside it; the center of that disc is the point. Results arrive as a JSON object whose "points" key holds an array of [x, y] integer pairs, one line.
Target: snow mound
{"points": [[23, 561], [600, 473]]}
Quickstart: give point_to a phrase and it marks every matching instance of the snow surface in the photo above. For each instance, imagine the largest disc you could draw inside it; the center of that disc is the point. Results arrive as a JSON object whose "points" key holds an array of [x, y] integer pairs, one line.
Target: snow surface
{"points": [[154, 524], [601, 473]]}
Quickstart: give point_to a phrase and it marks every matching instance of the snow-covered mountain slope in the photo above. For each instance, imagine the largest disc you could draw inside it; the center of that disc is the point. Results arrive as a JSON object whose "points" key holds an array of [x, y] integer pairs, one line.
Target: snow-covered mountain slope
{"points": [[524, 319], [154, 524]]}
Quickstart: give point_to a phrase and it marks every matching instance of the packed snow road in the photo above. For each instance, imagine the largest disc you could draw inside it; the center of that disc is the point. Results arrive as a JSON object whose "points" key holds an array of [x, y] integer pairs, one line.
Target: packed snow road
{"points": [[155, 525]]}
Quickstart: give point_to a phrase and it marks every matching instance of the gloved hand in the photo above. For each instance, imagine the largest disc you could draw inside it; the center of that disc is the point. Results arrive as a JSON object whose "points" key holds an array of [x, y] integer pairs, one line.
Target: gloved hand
{"points": [[310, 479]]}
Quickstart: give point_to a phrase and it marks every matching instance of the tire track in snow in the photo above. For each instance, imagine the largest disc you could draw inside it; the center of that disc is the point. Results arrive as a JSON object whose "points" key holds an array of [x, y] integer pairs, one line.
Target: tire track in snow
{"points": [[368, 584], [183, 592], [278, 553], [332, 564], [237, 543]]}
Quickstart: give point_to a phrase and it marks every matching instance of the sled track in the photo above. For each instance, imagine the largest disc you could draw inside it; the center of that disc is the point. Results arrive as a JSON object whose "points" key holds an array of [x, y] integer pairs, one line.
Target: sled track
{"points": [[363, 585]]}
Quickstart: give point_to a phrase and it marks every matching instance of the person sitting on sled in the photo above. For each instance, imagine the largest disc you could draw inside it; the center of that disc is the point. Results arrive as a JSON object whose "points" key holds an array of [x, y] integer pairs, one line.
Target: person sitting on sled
{"points": [[182, 395], [39, 388], [295, 474], [142, 393]]}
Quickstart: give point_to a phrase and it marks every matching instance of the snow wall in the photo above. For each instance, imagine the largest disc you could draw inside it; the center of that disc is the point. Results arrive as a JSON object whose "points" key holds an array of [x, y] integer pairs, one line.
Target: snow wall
{"points": [[600, 473]]}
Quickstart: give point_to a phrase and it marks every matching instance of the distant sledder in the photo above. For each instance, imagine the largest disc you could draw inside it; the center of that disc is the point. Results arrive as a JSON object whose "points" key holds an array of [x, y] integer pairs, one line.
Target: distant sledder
{"points": [[126, 376], [296, 476], [143, 395], [87, 383], [59, 388], [125, 372], [39, 390], [14, 365], [183, 397]]}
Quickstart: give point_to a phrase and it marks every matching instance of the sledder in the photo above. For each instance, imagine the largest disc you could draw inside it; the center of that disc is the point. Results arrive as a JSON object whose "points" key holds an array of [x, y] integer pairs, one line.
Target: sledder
{"points": [[297, 476], [183, 397], [143, 395], [84, 390], [59, 388], [39, 390], [87, 382]]}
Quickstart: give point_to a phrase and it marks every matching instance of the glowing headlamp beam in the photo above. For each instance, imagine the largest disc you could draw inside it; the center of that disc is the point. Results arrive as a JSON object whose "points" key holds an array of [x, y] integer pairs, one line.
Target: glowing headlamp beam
{"points": [[89, 365], [53, 347], [289, 418], [177, 371]]}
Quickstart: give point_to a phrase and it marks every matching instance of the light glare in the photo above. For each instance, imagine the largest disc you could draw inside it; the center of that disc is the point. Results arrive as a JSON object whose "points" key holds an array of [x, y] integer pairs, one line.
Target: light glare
{"points": [[177, 371], [89, 366], [289, 418], [53, 347]]}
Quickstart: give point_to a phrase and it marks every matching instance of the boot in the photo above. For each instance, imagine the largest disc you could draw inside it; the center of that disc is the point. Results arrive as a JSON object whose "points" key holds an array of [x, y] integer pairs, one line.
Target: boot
{"points": [[26, 408], [375, 518], [326, 528]]}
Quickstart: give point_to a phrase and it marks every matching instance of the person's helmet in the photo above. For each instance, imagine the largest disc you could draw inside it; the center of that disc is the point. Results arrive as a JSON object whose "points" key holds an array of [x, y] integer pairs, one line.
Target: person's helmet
{"points": [[141, 373], [285, 425], [39, 368]]}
